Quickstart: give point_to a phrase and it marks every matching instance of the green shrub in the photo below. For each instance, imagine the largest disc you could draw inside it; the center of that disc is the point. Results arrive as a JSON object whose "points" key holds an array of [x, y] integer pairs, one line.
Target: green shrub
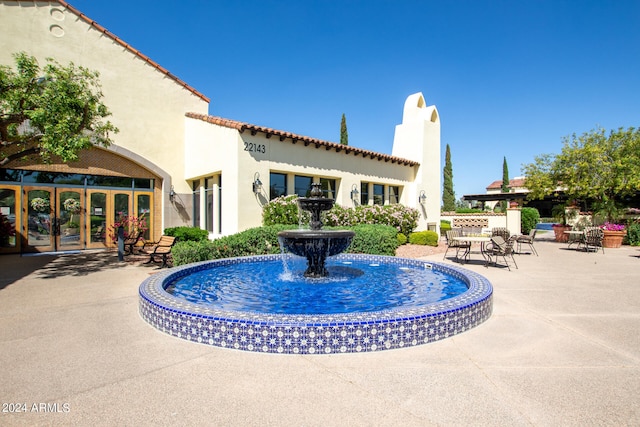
{"points": [[191, 251], [468, 210], [374, 239], [402, 239], [445, 226], [187, 234], [633, 234], [254, 241], [529, 217], [429, 238]]}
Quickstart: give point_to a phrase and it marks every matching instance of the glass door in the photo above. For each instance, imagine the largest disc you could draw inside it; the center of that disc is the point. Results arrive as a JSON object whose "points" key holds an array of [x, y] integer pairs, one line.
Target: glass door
{"points": [[38, 226], [70, 219], [97, 221], [10, 219]]}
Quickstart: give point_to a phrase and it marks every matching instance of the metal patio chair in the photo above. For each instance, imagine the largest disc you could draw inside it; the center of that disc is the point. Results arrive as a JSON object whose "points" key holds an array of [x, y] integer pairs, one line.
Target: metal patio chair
{"points": [[457, 245], [593, 239], [502, 232], [527, 239], [498, 247]]}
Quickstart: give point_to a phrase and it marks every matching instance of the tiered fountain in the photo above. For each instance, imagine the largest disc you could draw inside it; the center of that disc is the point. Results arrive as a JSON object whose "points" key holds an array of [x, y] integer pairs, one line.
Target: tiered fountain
{"points": [[368, 302], [315, 244]]}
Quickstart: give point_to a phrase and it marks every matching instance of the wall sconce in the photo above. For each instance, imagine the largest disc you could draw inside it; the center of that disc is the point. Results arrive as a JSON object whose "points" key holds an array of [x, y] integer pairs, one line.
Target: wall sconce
{"points": [[354, 192], [172, 194], [422, 198], [257, 184]]}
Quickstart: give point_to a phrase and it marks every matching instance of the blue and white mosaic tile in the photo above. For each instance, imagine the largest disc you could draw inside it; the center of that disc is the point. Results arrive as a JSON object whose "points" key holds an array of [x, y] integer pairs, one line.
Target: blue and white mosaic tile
{"points": [[316, 334]]}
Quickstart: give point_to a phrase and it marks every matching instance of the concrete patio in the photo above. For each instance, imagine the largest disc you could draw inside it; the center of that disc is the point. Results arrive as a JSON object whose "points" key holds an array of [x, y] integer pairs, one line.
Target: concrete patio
{"points": [[562, 348]]}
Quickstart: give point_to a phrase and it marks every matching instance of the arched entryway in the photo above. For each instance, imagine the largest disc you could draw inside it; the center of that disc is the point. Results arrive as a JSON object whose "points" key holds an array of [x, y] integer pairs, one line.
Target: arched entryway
{"points": [[62, 207]]}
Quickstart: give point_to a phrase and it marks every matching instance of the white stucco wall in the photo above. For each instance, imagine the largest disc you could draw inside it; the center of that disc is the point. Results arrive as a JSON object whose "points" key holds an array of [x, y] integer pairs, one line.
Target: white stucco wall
{"points": [[238, 157], [148, 107], [418, 139]]}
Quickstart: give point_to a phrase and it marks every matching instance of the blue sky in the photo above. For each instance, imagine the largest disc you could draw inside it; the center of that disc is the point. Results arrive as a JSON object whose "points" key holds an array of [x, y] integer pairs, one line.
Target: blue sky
{"points": [[509, 78]]}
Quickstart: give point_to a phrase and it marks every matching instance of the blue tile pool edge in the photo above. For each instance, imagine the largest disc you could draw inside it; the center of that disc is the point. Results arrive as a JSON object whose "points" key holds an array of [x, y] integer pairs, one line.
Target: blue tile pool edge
{"points": [[316, 334]]}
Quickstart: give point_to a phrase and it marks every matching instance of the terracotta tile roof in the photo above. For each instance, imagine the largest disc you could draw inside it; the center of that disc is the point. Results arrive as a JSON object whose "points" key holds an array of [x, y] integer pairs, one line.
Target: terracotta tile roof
{"points": [[513, 183], [306, 140], [127, 46]]}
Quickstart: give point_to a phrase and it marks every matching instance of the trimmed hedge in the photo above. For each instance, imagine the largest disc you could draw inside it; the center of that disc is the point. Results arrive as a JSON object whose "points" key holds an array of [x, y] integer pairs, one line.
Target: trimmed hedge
{"points": [[429, 238], [369, 239], [402, 239], [187, 234], [191, 251], [445, 226], [374, 239]]}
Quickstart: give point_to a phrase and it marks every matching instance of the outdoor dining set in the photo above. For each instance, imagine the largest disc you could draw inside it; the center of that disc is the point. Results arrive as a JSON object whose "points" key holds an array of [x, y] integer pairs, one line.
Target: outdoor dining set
{"points": [[498, 243], [589, 239]]}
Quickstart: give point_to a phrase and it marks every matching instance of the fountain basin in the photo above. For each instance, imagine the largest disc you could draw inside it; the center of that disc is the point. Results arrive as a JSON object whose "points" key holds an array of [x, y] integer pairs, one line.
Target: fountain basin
{"points": [[352, 332]]}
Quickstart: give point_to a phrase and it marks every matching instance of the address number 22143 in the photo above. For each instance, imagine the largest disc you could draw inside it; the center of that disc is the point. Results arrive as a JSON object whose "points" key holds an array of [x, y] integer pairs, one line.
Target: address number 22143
{"points": [[255, 148]]}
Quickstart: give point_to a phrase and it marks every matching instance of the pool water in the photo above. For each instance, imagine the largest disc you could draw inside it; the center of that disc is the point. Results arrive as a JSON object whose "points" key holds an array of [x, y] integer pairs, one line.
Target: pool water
{"points": [[352, 286], [544, 226]]}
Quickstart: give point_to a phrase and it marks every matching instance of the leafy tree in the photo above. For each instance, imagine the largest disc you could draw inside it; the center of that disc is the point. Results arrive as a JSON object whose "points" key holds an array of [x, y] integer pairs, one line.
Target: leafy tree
{"points": [[505, 182], [593, 166], [55, 110], [448, 195], [344, 135]]}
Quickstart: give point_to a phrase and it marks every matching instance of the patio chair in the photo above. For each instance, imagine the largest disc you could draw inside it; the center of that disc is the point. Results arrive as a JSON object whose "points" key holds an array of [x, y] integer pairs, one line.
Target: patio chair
{"points": [[501, 231], [593, 239], [527, 239], [498, 247], [450, 234]]}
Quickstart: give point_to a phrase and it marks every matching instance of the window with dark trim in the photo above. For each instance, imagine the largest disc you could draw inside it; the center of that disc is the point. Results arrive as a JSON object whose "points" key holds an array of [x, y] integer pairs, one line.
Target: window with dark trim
{"points": [[277, 185]]}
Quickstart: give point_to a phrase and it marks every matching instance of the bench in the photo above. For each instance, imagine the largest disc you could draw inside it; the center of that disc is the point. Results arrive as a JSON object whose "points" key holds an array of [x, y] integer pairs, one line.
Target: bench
{"points": [[131, 241], [162, 248]]}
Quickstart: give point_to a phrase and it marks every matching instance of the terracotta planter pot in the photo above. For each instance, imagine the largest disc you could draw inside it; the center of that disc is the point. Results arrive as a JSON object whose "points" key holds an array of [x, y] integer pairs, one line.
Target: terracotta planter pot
{"points": [[559, 232], [613, 239]]}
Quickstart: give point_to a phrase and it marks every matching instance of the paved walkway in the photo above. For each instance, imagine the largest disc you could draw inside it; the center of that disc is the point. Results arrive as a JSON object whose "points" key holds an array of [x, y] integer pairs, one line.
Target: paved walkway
{"points": [[562, 348]]}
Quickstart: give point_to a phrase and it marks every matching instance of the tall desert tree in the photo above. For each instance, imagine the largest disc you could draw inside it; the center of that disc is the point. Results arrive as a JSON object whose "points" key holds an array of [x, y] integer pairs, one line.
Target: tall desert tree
{"points": [[344, 135], [48, 111], [448, 195], [593, 166]]}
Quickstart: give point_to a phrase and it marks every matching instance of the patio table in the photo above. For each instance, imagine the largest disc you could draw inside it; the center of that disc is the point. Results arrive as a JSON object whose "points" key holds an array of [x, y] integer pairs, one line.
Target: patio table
{"points": [[575, 237], [483, 240]]}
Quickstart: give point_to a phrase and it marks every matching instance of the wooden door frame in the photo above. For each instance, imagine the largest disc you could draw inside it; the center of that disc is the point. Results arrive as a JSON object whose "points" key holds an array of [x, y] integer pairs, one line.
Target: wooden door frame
{"points": [[25, 223], [17, 190], [81, 218]]}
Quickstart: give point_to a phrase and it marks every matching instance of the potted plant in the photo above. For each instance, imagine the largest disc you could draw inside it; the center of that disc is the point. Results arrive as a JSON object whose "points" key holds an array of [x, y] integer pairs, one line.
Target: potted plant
{"points": [[613, 235], [563, 214]]}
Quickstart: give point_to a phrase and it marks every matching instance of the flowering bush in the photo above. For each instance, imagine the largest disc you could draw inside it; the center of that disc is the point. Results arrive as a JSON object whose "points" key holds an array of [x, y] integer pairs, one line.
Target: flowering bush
{"points": [[39, 204], [132, 226], [284, 210], [402, 218], [612, 227], [71, 205]]}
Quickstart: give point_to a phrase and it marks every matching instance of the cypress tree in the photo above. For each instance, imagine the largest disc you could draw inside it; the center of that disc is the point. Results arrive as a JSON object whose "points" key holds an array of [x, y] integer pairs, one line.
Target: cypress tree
{"points": [[448, 195], [344, 135], [505, 182]]}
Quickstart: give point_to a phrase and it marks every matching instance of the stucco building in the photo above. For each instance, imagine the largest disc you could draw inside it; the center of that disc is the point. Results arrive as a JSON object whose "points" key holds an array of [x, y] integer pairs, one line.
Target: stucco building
{"points": [[175, 163]]}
